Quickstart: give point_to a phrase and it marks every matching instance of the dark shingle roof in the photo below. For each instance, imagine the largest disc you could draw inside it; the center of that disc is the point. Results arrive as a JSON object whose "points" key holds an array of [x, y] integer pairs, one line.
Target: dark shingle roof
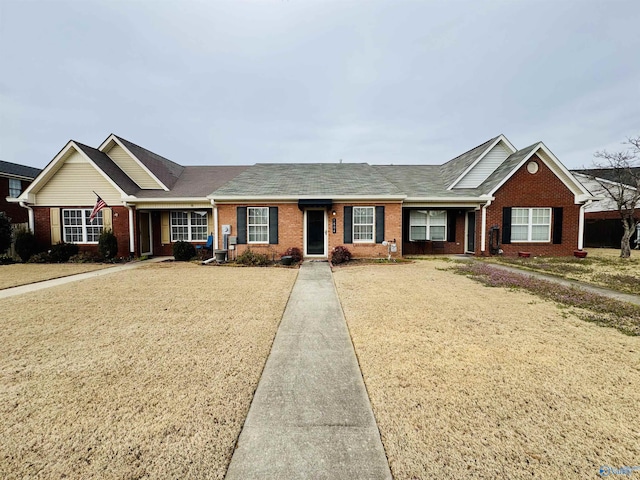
{"points": [[613, 175], [112, 170], [308, 179], [166, 170], [197, 181], [454, 168], [18, 170]]}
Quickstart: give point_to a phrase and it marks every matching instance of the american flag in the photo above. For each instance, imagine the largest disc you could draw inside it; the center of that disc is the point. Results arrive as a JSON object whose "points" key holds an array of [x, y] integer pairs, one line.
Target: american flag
{"points": [[100, 204]]}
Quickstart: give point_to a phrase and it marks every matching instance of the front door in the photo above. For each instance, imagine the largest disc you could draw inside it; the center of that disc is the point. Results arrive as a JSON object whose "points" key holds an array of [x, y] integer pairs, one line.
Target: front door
{"points": [[315, 227], [145, 233], [471, 232]]}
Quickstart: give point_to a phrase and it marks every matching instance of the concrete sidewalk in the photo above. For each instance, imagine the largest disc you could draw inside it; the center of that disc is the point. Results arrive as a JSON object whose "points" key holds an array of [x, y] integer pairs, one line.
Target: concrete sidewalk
{"points": [[34, 287], [311, 417]]}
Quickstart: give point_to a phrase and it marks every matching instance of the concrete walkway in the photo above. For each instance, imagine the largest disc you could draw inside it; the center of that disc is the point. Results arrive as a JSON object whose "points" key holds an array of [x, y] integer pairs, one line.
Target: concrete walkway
{"points": [[311, 417], [34, 287], [607, 292]]}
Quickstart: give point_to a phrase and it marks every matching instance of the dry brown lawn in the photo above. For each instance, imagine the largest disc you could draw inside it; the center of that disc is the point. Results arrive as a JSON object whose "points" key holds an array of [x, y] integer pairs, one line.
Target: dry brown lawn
{"points": [[145, 373], [471, 381], [24, 273]]}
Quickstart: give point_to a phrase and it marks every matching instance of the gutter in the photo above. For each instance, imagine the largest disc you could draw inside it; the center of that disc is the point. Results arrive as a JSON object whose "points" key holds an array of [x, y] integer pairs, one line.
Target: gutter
{"points": [[31, 216]]}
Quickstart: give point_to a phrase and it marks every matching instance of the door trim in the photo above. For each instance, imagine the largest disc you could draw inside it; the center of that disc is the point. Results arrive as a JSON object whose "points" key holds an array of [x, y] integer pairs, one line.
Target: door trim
{"points": [[304, 234]]}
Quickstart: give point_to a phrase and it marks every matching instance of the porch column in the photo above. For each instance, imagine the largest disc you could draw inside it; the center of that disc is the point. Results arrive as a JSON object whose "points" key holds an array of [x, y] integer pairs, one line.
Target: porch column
{"points": [[215, 225], [483, 227], [132, 231], [581, 225]]}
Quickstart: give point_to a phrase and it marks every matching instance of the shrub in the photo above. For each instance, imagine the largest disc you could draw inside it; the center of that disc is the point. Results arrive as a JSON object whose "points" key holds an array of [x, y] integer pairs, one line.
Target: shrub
{"points": [[340, 254], [252, 259], [62, 252], [42, 257], [294, 253], [108, 245], [26, 244], [85, 257], [5, 232], [183, 251], [6, 259]]}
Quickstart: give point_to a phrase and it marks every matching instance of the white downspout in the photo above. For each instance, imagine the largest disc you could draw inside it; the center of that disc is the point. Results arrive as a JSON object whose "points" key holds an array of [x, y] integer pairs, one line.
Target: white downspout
{"points": [[131, 231], [32, 222], [215, 224], [483, 227], [581, 224]]}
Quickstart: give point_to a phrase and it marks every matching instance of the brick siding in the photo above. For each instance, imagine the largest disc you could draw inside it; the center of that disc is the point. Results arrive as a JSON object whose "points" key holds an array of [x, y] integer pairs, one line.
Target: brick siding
{"points": [[14, 211]]}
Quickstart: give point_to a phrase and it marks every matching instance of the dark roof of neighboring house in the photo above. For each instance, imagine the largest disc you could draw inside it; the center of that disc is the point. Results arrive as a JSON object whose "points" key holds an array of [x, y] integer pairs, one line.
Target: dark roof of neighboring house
{"points": [[109, 167], [454, 167], [613, 174], [17, 170], [310, 179], [196, 181], [166, 170]]}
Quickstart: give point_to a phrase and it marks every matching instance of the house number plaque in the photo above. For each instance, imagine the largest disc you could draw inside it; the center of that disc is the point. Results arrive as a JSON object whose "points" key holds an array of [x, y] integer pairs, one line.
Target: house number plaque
{"points": [[333, 225]]}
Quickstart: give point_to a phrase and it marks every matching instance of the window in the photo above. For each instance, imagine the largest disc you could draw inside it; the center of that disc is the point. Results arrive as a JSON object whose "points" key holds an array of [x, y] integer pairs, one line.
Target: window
{"points": [[363, 224], [530, 224], [15, 187], [189, 226], [427, 225], [77, 228], [258, 224]]}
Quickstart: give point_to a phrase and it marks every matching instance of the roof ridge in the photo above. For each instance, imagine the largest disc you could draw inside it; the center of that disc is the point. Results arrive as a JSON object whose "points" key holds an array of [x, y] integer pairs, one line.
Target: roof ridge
{"points": [[471, 149], [146, 150]]}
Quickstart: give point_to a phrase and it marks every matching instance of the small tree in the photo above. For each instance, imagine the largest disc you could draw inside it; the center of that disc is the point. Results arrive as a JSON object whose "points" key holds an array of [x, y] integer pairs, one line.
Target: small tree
{"points": [[5, 232], [622, 186], [26, 244]]}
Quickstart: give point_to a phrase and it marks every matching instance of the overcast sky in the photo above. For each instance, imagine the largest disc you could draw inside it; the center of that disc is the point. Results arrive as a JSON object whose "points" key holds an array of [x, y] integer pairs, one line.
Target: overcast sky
{"points": [[240, 82]]}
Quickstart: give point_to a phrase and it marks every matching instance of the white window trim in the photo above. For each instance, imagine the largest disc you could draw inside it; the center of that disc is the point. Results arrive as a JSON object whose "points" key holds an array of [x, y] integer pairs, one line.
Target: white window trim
{"points": [[353, 225], [83, 226], [13, 188], [530, 225], [428, 227], [188, 225], [249, 225]]}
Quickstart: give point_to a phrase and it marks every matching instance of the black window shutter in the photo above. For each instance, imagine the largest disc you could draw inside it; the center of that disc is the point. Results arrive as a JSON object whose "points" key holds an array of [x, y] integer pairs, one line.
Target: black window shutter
{"points": [[506, 225], [273, 225], [379, 224], [451, 226], [557, 225], [242, 225], [348, 224]]}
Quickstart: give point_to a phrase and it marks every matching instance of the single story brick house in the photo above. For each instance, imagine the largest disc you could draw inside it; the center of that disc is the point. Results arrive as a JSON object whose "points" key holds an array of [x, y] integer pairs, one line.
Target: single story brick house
{"points": [[493, 199]]}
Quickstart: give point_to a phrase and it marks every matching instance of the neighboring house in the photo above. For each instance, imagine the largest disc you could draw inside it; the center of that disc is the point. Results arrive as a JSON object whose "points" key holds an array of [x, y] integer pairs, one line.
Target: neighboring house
{"points": [[493, 198], [14, 179], [603, 226]]}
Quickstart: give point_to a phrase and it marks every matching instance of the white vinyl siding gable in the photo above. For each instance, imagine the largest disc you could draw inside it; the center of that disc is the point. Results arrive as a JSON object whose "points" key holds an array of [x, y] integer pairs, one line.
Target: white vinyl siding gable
{"points": [[73, 184], [132, 168], [485, 167]]}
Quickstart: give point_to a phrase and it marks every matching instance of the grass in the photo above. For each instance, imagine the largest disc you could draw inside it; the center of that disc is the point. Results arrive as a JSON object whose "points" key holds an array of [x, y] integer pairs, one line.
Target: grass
{"points": [[473, 382], [24, 273], [147, 373], [592, 307], [602, 267]]}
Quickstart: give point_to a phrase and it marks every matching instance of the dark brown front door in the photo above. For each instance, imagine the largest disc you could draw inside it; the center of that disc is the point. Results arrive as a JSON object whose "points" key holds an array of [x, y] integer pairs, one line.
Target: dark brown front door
{"points": [[145, 233], [315, 232]]}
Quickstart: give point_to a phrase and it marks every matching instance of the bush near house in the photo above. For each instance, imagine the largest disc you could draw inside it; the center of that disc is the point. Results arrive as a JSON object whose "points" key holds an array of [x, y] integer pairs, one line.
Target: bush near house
{"points": [[340, 254], [108, 245], [62, 252], [293, 252], [26, 244], [252, 259], [5, 232], [183, 251]]}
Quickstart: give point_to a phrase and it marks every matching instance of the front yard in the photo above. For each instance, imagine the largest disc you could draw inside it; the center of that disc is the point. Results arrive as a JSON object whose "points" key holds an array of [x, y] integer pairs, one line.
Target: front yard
{"points": [[23, 273], [144, 373], [471, 381]]}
